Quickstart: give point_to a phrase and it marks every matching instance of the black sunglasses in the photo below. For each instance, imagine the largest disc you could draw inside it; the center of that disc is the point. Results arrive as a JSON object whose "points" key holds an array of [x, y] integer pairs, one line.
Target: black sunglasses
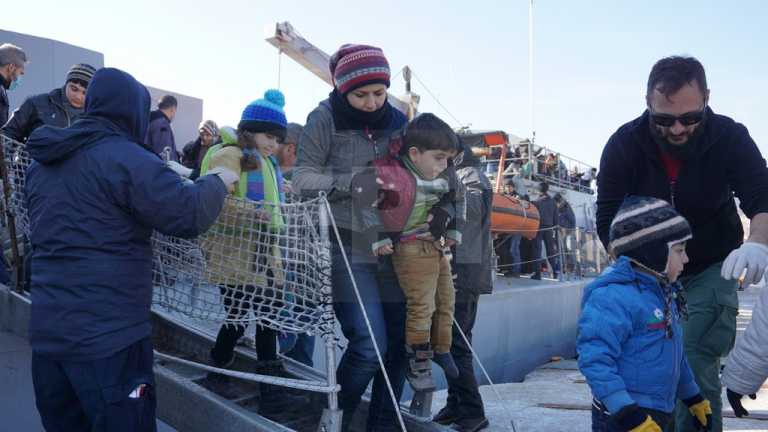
{"points": [[687, 119]]}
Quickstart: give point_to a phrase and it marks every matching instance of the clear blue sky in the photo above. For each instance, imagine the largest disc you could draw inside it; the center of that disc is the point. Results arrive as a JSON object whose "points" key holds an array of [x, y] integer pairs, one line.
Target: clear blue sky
{"points": [[592, 57]]}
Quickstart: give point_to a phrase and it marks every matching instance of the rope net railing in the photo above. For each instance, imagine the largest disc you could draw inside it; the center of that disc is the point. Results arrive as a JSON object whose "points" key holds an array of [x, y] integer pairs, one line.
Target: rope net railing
{"points": [[16, 161], [258, 264]]}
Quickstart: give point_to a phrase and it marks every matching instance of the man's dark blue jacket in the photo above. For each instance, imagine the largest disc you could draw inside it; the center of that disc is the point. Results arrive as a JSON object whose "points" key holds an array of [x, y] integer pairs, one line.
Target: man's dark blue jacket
{"points": [[94, 196], [726, 161]]}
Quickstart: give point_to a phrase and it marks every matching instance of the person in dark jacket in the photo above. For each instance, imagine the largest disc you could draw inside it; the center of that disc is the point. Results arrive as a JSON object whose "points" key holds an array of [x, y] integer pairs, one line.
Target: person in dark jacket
{"points": [[94, 196], [681, 151], [548, 221], [194, 151], [160, 134], [13, 61], [60, 107], [471, 268]]}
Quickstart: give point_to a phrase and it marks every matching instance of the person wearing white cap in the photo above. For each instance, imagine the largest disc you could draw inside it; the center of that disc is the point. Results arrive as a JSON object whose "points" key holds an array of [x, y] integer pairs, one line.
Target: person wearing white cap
{"points": [[194, 151]]}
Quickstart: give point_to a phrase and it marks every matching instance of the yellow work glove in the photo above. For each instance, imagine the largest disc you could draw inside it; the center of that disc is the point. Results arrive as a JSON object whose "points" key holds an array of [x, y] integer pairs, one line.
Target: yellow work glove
{"points": [[647, 426], [632, 419], [701, 412]]}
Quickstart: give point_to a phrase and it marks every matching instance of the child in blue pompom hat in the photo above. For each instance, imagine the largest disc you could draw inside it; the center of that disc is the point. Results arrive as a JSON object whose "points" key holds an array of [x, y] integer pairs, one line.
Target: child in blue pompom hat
{"points": [[242, 251]]}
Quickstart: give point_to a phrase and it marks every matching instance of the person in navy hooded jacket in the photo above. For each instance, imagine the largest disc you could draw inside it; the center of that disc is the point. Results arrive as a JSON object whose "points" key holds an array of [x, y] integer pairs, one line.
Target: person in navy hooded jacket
{"points": [[94, 196], [630, 341]]}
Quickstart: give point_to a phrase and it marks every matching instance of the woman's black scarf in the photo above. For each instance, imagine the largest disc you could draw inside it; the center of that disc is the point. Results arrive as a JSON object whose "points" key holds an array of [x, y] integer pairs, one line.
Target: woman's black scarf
{"points": [[346, 117]]}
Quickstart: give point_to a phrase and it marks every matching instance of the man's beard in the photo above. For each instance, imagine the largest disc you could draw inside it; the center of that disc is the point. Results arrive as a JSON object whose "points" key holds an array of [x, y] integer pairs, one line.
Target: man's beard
{"points": [[682, 151]]}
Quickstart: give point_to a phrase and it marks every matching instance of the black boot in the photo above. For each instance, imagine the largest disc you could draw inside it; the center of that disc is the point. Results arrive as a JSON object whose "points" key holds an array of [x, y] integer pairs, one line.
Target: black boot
{"points": [[275, 398], [471, 424], [446, 416], [419, 371], [445, 361]]}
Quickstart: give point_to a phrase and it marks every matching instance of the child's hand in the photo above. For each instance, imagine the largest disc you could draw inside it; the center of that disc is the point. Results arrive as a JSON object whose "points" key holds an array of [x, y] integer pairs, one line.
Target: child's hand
{"points": [[384, 250], [287, 188]]}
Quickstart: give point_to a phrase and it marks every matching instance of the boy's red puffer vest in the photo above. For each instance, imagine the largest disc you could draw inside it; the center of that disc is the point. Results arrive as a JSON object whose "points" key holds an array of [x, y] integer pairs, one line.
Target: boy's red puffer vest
{"points": [[396, 207]]}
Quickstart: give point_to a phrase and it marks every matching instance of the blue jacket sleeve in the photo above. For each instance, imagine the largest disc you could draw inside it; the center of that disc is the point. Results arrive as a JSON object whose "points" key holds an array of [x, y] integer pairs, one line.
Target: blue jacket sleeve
{"points": [[161, 199], [686, 387], [604, 325]]}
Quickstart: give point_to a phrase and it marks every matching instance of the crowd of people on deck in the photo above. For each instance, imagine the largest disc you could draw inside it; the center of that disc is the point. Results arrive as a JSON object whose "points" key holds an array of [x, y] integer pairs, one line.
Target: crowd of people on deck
{"points": [[554, 241], [525, 160], [412, 205]]}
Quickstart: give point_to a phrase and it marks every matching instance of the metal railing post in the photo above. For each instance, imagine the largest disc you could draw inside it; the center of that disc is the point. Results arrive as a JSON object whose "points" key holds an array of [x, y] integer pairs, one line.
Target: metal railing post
{"points": [[560, 243], [332, 416], [596, 247], [579, 272]]}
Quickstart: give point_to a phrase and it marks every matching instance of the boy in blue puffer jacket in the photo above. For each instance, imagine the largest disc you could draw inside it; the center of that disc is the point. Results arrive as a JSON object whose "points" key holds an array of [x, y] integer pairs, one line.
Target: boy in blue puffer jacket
{"points": [[630, 340]]}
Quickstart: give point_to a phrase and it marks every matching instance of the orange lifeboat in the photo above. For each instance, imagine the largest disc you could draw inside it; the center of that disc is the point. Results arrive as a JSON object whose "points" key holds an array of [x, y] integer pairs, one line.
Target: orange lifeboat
{"points": [[510, 215], [513, 216]]}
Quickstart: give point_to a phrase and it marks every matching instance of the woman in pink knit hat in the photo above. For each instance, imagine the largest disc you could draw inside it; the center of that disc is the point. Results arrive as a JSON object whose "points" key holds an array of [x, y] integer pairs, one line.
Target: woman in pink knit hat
{"points": [[343, 135]]}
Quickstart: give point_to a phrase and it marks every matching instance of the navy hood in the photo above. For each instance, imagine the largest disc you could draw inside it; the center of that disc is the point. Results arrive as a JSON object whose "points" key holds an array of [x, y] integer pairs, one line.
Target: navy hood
{"points": [[115, 104]]}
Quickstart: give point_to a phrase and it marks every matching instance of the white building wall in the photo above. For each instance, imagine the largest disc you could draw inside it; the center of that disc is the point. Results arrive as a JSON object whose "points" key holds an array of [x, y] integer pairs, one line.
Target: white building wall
{"points": [[49, 61]]}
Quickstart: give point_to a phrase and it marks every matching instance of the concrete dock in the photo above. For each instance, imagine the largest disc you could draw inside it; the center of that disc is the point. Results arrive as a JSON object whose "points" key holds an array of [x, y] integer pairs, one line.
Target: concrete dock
{"points": [[555, 397]]}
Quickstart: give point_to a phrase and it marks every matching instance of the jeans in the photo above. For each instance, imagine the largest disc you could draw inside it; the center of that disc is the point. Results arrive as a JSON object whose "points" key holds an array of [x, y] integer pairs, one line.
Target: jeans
{"points": [[299, 347], [463, 395], [385, 306], [550, 244], [514, 251], [99, 395]]}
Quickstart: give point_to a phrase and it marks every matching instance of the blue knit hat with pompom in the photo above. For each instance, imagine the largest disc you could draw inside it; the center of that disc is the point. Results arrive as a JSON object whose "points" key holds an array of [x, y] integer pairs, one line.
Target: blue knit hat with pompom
{"points": [[265, 115]]}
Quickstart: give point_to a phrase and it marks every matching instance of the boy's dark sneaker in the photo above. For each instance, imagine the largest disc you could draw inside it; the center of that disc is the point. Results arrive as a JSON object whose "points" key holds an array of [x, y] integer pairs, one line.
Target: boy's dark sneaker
{"points": [[470, 424], [446, 416], [445, 361], [419, 371]]}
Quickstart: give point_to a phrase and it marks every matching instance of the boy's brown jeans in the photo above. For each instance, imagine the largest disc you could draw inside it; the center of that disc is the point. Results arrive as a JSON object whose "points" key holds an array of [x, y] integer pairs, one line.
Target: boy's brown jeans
{"points": [[424, 274]]}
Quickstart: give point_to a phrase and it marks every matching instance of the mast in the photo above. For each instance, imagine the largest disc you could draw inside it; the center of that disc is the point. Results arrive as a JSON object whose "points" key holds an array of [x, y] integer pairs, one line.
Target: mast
{"points": [[530, 73]]}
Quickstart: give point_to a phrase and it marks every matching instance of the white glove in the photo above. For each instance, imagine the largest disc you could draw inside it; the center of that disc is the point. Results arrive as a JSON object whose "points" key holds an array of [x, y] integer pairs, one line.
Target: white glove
{"points": [[179, 169], [226, 175], [752, 257]]}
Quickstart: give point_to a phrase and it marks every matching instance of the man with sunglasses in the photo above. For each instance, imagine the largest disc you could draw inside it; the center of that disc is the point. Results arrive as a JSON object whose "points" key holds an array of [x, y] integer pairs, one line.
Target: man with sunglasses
{"points": [[681, 151]]}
